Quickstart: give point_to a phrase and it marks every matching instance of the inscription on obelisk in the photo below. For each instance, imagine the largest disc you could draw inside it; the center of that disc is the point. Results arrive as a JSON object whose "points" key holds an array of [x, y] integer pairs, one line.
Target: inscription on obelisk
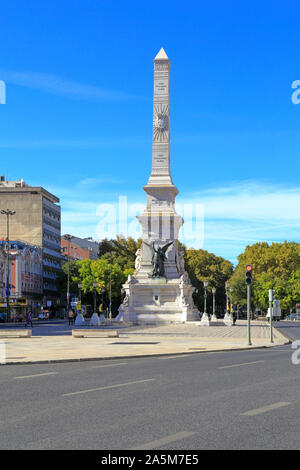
{"points": [[161, 120]]}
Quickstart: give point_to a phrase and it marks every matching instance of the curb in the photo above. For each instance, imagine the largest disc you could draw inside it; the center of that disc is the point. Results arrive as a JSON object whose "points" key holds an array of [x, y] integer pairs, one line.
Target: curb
{"points": [[57, 361], [283, 333]]}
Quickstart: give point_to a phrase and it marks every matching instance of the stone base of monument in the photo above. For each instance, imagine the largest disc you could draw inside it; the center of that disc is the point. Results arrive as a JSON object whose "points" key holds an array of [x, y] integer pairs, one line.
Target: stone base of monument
{"points": [[205, 320], [228, 319], [95, 321], [149, 316], [214, 319], [79, 320], [157, 301]]}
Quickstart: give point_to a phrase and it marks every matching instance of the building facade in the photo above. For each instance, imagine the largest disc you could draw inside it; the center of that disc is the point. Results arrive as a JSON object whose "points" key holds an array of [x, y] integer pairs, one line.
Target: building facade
{"points": [[79, 248], [72, 251], [26, 275], [37, 222]]}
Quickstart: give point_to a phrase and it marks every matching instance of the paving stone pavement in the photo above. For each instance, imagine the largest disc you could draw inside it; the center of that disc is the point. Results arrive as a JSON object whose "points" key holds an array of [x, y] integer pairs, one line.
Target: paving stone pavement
{"points": [[259, 330], [137, 341]]}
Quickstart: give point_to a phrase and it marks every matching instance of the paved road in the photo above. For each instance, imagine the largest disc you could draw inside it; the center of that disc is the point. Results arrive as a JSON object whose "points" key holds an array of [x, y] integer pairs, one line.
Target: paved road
{"points": [[232, 400], [289, 328]]}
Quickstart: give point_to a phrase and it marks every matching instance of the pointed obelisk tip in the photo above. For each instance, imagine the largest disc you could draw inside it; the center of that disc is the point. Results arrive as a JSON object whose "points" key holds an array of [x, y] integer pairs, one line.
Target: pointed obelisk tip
{"points": [[161, 55]]}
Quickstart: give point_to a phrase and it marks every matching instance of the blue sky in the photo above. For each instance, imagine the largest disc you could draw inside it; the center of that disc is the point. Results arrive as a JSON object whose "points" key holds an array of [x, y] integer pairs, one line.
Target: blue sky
{"points": [[78, 113]]}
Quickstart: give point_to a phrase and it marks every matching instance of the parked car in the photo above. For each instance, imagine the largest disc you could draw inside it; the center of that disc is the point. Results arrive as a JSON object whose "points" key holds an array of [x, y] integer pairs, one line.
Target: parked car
{"points": [[293, 316]]}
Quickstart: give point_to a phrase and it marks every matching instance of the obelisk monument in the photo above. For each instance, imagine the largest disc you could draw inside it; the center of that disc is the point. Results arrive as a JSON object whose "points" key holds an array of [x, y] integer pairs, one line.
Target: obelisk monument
{"points": [[160, 289]]}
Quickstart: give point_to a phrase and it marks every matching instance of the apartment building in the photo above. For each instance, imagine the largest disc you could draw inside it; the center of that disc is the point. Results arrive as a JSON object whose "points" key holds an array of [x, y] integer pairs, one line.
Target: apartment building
{"points": [[79, 248], [37, 222]]}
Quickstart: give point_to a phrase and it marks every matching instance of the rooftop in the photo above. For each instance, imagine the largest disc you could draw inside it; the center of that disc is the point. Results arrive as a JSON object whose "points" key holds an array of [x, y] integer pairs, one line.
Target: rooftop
{"points": [[21, 186]]}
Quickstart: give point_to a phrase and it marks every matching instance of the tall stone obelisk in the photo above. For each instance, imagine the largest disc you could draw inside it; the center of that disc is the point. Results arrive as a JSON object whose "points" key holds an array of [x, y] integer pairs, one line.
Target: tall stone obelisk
{"points": [[160, 289], [161, 121]]}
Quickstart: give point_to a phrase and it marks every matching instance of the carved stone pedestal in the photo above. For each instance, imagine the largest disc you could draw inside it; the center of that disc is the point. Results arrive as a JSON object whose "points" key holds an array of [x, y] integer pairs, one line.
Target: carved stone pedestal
{"points": [[205, 320], [228, 320], [157, 300], [95, 321], [79, 321]]}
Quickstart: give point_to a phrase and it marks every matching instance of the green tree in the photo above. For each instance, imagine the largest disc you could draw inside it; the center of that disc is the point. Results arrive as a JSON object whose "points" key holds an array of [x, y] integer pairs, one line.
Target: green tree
{"points": [[275, 266], [62, 279], [122, 250], [90, 271], [204, 266]]}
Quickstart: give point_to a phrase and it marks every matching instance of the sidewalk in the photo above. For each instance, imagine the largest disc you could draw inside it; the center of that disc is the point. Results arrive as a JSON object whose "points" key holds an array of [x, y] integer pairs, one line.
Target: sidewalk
{"points": [[58, 345]]}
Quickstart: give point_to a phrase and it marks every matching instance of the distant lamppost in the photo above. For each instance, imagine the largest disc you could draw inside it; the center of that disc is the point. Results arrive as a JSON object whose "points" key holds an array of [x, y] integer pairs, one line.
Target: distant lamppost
{"points": [[80, 288], [95, 320], [214, 290], [68, 238], [110, 287], [228, 317], [8, 213], [205, 318], [205, 284], [226, 290], [231, 306], [102, 297], [95, 285]]}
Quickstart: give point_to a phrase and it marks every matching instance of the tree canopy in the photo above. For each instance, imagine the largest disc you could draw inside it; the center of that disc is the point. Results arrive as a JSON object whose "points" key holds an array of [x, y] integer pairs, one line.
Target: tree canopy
{"points": [[275, 266], [204, 266], [123, 250]]}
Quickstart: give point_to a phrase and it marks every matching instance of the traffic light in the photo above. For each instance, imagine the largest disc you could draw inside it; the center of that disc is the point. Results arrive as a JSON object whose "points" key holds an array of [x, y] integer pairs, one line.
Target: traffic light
{"points": [[248, 274]]}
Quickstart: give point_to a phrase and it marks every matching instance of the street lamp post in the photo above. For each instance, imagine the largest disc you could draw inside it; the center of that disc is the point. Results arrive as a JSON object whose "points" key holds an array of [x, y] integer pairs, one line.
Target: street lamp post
{"points": [[271, 295], [79, 288], [8, 213], [205, 284], [205, 319], [110, 301], [95, 284], [68, 238], [214, 317], [231, 306], [228, 316], [102, 306], [95, 321], [226, 290]]}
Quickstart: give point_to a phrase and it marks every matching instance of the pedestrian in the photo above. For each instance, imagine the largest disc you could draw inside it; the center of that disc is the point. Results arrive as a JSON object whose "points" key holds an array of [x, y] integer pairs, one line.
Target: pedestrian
{"points": [[71, 316], [234, 316], [29, 319]]}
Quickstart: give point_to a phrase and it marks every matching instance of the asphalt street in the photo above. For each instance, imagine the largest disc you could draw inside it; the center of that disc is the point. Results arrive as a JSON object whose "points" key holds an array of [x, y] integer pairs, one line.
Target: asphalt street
{"points": [[289, 328], [226, 400]]}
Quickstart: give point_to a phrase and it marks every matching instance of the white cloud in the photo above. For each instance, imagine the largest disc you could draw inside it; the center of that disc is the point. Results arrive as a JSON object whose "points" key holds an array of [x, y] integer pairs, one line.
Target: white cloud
{"points": [[59, 86], [235, 215], [247, 212], [91, 183]]}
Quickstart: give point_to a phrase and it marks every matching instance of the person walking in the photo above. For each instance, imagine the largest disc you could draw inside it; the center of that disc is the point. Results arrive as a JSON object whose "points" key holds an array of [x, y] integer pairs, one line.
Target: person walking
{"points": [[234, 316], [71, 316], [29, 319]]}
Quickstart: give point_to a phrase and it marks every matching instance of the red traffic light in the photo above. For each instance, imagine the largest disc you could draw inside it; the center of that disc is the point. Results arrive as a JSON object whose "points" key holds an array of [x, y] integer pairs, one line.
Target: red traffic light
{"points": [[248, 274]]}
